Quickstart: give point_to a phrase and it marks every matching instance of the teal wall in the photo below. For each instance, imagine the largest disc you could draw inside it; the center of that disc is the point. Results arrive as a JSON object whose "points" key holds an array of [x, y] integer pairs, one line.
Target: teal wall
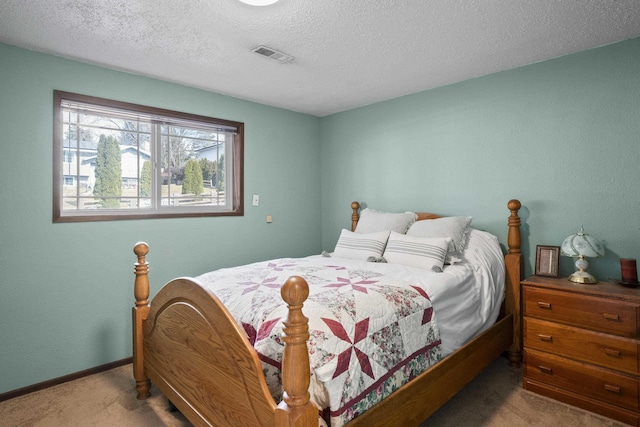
{"points": [[66, 290], [563, 136]]}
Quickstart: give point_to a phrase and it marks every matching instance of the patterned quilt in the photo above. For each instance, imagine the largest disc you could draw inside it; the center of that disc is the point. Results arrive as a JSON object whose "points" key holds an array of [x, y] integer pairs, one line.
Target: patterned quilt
{"points": [[369, 334]]}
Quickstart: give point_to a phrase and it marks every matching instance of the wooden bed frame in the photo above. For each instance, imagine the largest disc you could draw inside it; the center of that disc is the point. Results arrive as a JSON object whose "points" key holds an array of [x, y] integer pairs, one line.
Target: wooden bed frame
{"points": [[191, 348]]}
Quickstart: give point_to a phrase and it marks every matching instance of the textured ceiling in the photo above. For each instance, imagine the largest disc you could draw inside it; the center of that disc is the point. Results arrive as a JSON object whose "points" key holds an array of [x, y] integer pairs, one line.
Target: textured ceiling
{"points": [[347, 53]]}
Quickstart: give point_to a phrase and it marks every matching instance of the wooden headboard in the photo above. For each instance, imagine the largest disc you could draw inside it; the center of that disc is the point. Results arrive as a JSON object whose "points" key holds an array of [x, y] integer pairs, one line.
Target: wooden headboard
{"points": [[513, 270]]}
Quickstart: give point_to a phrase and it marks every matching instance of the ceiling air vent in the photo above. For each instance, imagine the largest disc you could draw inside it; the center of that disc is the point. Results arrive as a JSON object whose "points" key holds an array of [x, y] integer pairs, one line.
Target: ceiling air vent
{"points": [[273, 54]]}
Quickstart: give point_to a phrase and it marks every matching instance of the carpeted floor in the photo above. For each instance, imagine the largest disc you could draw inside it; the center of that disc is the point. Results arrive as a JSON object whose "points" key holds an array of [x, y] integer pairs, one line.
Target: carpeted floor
{"points": [[495, 399]]}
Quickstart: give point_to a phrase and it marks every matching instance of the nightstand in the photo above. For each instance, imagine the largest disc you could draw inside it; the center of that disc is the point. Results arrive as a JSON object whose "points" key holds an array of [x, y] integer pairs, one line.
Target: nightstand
{"points": [[581, 345]]}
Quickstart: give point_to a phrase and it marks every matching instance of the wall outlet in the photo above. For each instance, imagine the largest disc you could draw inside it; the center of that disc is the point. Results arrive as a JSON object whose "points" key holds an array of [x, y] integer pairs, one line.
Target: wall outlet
{"points": [[269, 219]]}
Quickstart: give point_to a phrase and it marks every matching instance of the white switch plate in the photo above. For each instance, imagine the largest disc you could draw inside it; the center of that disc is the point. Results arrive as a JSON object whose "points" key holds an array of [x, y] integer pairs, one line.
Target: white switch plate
{"points": [[256, 200]]}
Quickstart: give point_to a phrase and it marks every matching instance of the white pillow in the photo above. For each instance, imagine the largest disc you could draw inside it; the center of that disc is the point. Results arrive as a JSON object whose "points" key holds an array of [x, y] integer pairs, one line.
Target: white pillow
{"points": [[455, 227], [372, 221], [483, 248], [360, 245], [418, 252]]}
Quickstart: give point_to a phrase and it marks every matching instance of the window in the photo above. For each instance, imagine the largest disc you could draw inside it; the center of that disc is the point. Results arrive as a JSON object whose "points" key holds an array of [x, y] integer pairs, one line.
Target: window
{"points": [[115, 160]]}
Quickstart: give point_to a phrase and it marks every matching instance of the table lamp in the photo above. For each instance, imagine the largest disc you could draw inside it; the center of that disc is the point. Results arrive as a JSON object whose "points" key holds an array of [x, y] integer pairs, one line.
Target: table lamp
{"points": [[582, 246]]}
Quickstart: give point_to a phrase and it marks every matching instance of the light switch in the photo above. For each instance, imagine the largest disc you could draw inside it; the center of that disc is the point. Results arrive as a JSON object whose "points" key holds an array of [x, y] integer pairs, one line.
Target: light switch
{"points": [[269, 218], [256, 200]]}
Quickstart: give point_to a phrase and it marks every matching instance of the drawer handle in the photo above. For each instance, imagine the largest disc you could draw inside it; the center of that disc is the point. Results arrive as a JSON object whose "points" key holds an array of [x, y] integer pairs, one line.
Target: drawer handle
{"points": [[612, 389], [546, 370], [613, 353], [547, 338], [612, 317], [545, 305]]}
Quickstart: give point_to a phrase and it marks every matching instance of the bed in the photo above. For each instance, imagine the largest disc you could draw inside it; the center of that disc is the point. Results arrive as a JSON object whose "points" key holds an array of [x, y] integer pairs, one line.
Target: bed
{"points": [[203, 359]]}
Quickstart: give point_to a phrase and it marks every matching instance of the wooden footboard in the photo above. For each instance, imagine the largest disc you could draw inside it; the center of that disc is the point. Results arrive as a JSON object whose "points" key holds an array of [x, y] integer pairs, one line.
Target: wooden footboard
{"points": [[188, 344], [198, 356]]}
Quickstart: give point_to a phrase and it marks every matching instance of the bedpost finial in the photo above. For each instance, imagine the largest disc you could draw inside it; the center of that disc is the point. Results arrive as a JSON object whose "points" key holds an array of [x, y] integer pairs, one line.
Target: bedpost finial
{"points": [[295, 409], [513, 237], [141, 249], [355, 215], [295, 290], [141, 270]]}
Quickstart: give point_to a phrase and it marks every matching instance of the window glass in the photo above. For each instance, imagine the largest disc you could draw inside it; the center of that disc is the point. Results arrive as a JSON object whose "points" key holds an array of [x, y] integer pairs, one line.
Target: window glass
{"points": [[115, 160]]}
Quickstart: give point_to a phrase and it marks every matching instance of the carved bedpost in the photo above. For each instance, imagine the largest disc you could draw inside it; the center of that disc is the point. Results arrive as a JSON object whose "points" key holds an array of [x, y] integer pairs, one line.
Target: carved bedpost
{"points": [[140, 312], [355, 216], [514, 238], [513, 262], [296, 410]]}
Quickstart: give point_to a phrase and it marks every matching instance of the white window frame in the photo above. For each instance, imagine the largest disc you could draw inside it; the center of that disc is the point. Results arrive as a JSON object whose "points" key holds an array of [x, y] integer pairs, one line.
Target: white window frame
{"points": [[70, 206]]}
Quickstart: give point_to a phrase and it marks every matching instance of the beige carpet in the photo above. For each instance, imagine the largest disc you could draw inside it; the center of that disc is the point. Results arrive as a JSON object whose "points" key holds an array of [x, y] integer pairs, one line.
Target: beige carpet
{"points": [[495, 398]]}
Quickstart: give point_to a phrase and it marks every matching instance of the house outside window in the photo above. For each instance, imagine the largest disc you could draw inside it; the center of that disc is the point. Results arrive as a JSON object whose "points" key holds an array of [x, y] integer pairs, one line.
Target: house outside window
{"points": [[115, 160]]}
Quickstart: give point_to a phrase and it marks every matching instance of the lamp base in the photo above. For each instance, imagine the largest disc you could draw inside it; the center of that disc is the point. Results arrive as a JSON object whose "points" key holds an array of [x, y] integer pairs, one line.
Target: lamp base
{"points": [[583, 277]]}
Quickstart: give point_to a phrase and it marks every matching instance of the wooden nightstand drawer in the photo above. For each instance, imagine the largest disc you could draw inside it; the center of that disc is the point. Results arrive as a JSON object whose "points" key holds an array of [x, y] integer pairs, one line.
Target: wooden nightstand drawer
{"points": [[609, 351], [602, 314], [582, 345], [598, 383]]}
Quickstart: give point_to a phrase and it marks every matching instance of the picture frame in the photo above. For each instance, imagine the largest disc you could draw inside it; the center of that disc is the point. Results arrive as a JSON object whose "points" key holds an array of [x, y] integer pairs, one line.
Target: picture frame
{"points": [[547, 261]]}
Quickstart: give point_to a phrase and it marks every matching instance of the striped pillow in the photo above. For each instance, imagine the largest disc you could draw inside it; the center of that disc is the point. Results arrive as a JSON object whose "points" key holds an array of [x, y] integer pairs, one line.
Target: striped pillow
{"points": [[421, 252], [360, 245], [455, 227]]}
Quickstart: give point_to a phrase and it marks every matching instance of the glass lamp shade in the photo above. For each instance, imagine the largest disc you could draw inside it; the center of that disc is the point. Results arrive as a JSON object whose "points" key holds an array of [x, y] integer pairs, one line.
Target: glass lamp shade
{"points": [[582, 245]]}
